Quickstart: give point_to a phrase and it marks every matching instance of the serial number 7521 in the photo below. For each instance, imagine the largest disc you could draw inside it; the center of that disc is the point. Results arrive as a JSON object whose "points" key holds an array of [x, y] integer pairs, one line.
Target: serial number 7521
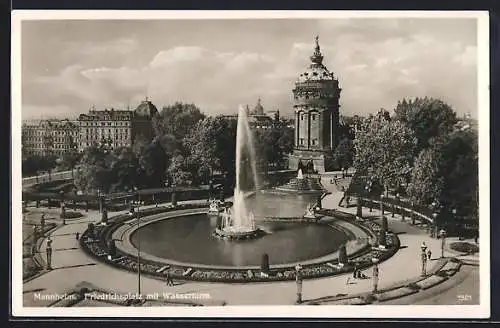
{"points": [[464, 297]]}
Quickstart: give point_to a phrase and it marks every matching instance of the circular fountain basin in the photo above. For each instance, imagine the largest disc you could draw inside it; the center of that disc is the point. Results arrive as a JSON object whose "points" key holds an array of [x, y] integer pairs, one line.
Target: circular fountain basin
{"points": [[188, 239]]}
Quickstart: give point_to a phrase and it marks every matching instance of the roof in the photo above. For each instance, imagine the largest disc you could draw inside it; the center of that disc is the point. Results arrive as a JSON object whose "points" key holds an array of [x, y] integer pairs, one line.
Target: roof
{"points": [[146, 108], [316, 70], [107, 114]]}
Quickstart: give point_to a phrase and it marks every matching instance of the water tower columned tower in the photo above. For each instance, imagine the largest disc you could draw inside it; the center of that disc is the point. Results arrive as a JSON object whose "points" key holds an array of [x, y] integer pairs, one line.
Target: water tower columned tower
{"points": [[316, 108]]}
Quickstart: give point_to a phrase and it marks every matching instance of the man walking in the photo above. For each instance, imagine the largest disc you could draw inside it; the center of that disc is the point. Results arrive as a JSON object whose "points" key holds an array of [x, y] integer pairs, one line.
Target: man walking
{"points": [[170, 281]]}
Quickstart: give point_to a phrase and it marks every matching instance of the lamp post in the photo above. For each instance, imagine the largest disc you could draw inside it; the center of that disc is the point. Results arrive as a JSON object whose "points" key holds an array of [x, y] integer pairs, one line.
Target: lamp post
{"points": [[375, 274], [298, 281], [434, 224], [423, 257], [394, 206], [367, 192], [401, 210], [412, 213], [138, 203], [63, 207], [442, 235], [99, 199], [382, 205], [35, 237]]}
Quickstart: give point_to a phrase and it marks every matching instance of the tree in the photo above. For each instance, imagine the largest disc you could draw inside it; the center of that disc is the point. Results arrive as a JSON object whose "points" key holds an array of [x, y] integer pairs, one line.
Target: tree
{"points": [[212, 143], [32, 164], [384, 147], [153, 163], [428, 117], [180, 172], [125, 170], [70, 159], [343, 155], [426, 185], [178, 119], [447, 172]]}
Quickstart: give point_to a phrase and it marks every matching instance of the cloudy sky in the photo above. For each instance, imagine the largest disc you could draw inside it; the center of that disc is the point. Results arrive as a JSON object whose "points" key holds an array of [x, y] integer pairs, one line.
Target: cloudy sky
{"points": [[68, 66]]}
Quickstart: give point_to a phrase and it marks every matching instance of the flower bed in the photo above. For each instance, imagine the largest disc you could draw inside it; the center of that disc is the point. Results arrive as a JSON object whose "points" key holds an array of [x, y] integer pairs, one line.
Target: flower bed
{"points": [[71, 215], [98, 248], [464, 247]]}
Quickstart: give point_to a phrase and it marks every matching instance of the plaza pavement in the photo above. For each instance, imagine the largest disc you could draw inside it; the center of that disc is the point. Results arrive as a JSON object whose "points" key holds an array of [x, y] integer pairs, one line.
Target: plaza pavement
{"points": [[72, 266]]}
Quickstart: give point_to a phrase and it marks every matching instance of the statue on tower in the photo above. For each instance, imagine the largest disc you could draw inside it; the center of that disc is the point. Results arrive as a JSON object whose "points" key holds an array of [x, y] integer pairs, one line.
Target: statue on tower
{"points": [[317, 57]]}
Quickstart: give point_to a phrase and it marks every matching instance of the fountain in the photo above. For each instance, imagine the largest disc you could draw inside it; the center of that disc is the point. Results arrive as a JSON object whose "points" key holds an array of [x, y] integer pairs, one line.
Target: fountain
{"points": [[302, 184], [238, 222]]}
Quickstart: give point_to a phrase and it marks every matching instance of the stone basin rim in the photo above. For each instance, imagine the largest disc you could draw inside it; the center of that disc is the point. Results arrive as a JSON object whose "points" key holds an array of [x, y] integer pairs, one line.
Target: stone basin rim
{"points": [[125, 245]]}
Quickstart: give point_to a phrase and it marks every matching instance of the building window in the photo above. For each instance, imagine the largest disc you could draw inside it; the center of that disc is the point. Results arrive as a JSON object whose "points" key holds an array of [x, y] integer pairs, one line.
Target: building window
{"points": [[301, 141], [302, 117], [315, 142], [313, 117]]}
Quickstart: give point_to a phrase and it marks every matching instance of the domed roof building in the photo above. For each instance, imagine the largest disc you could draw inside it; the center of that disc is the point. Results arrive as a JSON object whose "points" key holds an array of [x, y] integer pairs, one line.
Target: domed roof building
{"points": [[146, 109], [316, 109], [146, 120]]}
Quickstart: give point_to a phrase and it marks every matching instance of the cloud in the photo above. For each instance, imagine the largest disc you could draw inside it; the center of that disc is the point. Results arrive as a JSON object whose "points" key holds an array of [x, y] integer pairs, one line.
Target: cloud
{"points": [[377, 62], [119, 46], [47, 112]]}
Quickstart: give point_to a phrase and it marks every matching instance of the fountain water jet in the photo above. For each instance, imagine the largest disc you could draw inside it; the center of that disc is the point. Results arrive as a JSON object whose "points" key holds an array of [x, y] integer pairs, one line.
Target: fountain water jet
{"points": [[238, 222]]}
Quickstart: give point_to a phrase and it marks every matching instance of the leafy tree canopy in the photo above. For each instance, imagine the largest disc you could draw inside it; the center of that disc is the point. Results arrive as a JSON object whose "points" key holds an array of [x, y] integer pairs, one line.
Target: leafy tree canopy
{"points": [[428, 117]]}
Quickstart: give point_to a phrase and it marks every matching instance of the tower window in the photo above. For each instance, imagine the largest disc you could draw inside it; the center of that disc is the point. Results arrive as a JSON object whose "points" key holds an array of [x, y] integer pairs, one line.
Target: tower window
{"points": [[301, 141], [313, 117], [302, 117], [315, 142]]}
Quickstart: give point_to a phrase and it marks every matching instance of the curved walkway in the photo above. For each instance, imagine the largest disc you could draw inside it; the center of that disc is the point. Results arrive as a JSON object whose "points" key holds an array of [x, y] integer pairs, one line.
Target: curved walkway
{"points": [[72, 266]]}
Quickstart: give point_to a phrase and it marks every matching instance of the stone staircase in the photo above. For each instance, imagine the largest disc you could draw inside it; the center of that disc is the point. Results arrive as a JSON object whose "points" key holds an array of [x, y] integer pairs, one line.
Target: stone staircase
{"points": [[303, 185]]}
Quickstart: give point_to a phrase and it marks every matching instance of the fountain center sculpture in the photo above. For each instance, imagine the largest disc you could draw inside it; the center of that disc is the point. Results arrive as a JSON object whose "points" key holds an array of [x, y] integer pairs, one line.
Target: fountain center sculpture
{"points": [[238, 222]]}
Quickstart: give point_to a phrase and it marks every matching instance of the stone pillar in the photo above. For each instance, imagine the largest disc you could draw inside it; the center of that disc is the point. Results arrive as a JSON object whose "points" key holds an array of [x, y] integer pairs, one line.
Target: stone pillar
{"points": [[343, 255], [174, 198], [104, 216], [264, 266], [308, 130], [359, 209]]}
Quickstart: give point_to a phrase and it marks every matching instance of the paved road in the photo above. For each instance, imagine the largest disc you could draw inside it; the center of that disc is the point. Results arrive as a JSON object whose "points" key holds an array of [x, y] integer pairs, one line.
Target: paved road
{"points": [[461, 289], [72, 266]]}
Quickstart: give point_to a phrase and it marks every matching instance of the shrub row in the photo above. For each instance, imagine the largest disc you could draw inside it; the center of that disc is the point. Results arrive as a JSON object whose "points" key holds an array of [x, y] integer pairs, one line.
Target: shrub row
{"points": [[98, 247]]}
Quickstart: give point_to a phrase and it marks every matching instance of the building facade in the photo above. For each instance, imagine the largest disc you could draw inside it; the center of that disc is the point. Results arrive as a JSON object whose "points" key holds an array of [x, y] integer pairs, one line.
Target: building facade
{"points": [[258, 117], [49, 137], [316, 108], [116, 128]]}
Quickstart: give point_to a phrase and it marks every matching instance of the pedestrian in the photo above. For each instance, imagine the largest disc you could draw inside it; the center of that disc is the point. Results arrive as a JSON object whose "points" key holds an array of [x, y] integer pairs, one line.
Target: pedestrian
{"points": [[429, 254], [476, 237], [170, 281], [77, 235]]}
